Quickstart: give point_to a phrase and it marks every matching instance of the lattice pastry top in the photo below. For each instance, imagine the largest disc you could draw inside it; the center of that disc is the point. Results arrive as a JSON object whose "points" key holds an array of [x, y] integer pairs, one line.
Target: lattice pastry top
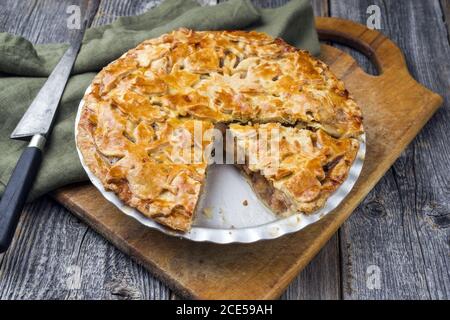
{"points": [[128, 126]]}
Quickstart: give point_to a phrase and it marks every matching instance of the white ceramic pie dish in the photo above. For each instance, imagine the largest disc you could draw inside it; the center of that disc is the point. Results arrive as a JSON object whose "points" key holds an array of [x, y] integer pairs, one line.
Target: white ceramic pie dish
{"points": [[229, 210]]}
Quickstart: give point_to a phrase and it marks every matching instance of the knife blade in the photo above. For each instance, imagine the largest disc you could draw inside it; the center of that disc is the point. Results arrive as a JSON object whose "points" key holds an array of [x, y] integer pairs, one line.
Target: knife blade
{"points": [[38, 119], [36, 125]]}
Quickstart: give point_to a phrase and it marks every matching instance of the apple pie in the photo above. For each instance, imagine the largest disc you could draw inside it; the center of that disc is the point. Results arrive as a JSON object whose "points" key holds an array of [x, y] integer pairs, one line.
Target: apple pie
{"points": [[142, 110]]}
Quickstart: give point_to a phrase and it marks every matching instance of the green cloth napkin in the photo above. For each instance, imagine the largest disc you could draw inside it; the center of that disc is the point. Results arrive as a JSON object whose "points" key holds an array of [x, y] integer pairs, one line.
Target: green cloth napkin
{"points": [[24, 68]]}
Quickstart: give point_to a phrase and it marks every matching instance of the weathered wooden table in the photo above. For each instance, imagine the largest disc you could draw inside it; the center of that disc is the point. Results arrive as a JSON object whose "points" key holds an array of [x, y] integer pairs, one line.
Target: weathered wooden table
{"points": [[395, 245]]}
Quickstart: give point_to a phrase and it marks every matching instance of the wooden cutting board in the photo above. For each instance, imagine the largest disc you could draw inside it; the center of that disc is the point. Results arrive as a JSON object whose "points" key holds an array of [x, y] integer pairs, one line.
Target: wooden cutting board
{"points": [[395, 108]]}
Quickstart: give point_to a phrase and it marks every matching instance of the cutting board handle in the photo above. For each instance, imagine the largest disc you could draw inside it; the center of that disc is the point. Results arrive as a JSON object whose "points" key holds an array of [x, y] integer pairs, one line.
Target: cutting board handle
{"points": [[382, 51]]}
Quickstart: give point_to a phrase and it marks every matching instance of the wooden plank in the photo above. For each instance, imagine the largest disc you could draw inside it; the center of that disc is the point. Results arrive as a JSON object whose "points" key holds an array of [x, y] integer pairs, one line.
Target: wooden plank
{"points": [[445, 7], [320, 280], [320, 8], [402, 227], [54, 255], [38, 21], [112, 9]]}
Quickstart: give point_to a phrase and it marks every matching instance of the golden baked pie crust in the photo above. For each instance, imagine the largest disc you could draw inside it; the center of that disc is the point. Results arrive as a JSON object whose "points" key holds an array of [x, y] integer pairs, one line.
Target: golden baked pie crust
{"points": [[301, 173], [137, 101]]}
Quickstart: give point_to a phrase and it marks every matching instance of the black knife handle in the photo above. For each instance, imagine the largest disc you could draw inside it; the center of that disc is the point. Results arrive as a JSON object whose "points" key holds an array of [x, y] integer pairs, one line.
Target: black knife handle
{"points": [[16, 193]]}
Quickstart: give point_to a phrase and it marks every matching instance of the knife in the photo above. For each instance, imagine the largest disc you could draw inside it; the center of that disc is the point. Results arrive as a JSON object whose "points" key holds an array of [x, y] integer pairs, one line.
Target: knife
{"points": [[36, 125]]}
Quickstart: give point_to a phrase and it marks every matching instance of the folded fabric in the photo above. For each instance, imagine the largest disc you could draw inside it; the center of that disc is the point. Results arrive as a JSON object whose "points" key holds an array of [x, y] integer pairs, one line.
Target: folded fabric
{"points": [[24, 68]]}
